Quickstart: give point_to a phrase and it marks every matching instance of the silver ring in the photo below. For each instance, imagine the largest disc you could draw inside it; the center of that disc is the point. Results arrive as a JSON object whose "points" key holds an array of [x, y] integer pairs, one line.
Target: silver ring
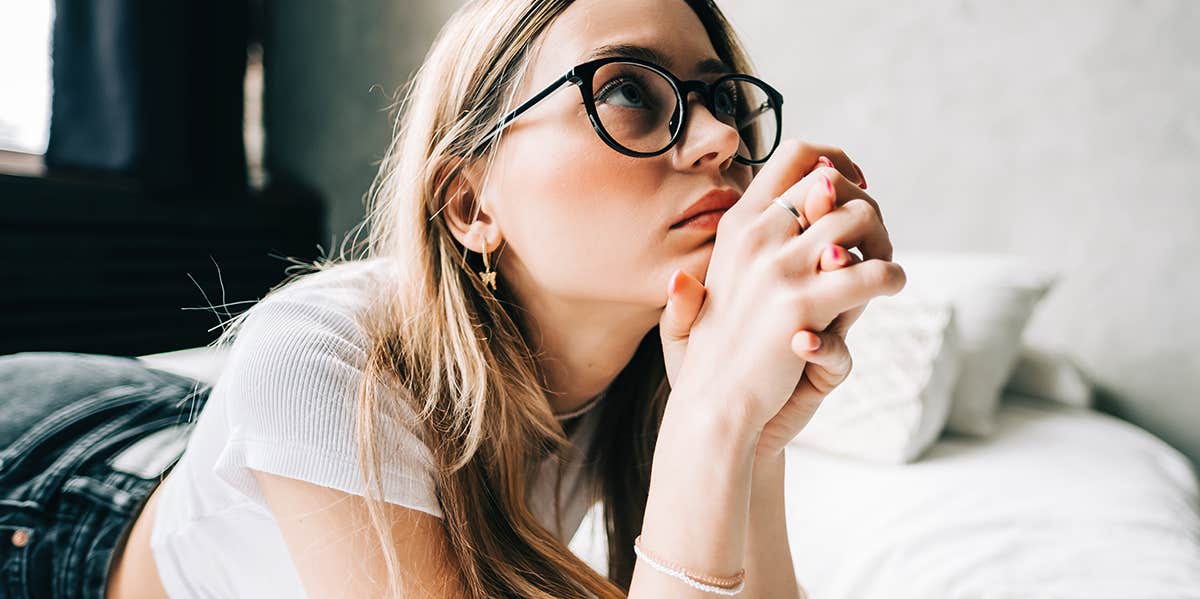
{"points": [[792, 209]]}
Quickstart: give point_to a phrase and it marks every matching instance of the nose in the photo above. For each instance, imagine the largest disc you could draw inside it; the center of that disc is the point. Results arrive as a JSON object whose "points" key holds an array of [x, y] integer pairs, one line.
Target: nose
{"points": [[705, 140]]}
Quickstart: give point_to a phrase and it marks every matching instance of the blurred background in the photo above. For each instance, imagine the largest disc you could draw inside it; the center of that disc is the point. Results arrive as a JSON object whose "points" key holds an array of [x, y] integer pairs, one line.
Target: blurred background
{"points": [[159, 160]]}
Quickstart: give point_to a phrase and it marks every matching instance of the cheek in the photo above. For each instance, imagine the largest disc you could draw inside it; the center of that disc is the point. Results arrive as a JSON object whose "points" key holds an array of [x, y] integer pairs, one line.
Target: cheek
{"points": [[576, 213]]}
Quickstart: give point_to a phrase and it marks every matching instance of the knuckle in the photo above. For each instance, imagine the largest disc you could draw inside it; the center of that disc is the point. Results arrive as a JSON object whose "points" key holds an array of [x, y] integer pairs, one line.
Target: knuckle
{"points": [[887, 246], [886, 276], [876, 273], [899, 278], [796, 153], [828, 150], [840, 153], [874, 206], [862, 210], [781, 264], [791, 147]]}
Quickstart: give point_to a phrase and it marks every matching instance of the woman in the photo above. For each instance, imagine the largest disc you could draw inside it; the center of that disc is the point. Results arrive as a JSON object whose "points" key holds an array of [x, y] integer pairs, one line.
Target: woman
{"points": [[547, 313]]}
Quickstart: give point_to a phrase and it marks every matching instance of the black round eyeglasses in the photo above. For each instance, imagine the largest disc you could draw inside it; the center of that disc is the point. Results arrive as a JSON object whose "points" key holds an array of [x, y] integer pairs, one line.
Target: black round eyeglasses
{"points": [[638, 107]]}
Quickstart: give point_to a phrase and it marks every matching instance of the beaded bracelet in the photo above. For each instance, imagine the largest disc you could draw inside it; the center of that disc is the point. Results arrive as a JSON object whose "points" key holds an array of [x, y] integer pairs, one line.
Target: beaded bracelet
{"points": [[721, 585]]}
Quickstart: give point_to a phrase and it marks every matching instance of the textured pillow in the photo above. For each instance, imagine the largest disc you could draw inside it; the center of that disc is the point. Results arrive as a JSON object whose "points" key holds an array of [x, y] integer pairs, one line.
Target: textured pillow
{"points": [[895, 402], [1051, 375], [993, 296]]}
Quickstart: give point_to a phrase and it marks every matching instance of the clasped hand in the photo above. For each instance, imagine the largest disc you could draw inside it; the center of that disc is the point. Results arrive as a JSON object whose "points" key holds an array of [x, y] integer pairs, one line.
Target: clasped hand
{"points": [[769, 286]]}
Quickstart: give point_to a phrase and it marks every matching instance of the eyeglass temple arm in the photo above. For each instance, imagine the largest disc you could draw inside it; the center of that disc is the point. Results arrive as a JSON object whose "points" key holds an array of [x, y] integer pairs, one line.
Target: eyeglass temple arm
{"points": [[760, 109], [516, 112]]}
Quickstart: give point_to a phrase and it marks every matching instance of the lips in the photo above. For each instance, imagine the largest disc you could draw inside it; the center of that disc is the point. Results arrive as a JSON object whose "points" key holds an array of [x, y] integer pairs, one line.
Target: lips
{"points": [[718, 199]]}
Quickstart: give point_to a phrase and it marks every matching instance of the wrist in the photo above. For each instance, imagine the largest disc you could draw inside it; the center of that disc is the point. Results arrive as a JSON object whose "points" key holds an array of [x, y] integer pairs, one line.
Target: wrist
{"points": [[768, 455], [769, 471], [715, 418]]}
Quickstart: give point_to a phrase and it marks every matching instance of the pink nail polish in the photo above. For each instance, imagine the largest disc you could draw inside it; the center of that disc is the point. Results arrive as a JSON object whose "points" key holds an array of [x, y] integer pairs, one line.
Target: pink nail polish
{"points": [[828, 184], [825, 161], [836, 252], [861, 177]]}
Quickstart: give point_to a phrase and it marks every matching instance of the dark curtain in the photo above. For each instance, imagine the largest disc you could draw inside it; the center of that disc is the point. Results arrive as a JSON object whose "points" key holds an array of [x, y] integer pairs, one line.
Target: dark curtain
{"points": [[150, 90]]}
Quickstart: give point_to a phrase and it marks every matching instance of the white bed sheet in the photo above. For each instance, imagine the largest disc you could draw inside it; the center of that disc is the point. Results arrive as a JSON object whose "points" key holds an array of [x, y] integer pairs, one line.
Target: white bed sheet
{"points": [[1062, 502]]}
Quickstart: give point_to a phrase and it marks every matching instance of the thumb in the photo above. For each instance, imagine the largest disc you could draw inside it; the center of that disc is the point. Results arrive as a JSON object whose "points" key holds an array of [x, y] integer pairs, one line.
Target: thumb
{"points": [[685, 296]]}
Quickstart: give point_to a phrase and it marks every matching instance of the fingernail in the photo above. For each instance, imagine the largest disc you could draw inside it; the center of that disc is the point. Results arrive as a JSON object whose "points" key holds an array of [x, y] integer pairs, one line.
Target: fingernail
{"points": [[835, 252], [861, 177], [814, 342], [673, 284], [825, 161]]}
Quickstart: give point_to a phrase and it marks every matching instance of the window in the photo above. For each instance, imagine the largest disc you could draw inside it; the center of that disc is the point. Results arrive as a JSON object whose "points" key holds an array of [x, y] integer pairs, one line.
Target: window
{"points": [[25, 75]]}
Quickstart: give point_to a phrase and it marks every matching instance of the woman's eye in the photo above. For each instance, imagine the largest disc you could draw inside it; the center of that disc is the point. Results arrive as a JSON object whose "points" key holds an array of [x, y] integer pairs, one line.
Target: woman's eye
{"points": [[623, 93], [726, 102]]}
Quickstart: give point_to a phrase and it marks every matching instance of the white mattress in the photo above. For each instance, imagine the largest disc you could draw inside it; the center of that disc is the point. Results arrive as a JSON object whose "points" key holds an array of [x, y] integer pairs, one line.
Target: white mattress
{"points": [[1062, 502]]}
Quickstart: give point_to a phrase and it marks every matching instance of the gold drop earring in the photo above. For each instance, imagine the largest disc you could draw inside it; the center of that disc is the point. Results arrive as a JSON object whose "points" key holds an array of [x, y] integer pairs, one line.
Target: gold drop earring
{"points": [[488, 275]]}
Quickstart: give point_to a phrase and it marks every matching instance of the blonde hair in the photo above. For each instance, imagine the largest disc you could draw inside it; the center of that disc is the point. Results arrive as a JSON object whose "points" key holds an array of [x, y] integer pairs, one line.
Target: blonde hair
{"points": [[454, 349]]}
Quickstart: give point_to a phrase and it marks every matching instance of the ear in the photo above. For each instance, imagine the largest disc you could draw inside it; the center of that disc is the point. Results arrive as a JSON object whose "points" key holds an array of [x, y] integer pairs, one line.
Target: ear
{"points": [[468, 221]]}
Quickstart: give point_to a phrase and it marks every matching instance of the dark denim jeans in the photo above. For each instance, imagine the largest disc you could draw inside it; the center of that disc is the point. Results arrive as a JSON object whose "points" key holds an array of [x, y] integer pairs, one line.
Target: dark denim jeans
{"points": [[84, 439]]}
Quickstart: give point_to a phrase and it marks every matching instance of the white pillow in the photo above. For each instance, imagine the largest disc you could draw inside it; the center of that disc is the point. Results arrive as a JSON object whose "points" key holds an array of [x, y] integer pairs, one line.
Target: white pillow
{"points": [[993, 296], [894, 403], [1051, 375], [203, 363]]}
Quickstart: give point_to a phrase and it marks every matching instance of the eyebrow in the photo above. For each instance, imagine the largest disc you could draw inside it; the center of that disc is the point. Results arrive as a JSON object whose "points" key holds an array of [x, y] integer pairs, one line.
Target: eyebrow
{"points": [[713, 66]]}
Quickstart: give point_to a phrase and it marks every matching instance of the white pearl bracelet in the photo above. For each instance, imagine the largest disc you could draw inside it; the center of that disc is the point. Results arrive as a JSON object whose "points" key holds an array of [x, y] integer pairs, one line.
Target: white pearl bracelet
{"points": [[685, 578]]}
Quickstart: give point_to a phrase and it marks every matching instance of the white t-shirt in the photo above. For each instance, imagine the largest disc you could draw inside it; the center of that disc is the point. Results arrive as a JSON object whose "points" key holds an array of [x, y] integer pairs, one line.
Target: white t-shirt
{"points": [[284, 404]]}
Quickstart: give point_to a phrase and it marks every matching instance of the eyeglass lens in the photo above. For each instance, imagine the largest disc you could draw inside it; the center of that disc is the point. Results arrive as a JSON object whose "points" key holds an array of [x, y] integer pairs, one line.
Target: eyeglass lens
{"points": [[639, 109]]}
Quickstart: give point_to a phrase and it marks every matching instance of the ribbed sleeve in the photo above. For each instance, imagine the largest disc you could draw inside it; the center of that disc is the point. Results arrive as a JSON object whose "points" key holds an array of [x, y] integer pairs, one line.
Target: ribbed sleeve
{"points": [[291, 385]]}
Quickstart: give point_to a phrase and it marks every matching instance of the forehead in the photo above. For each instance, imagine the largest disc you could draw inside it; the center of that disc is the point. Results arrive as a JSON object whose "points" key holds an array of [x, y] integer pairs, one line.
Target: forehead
{"points": [[669, 31]]}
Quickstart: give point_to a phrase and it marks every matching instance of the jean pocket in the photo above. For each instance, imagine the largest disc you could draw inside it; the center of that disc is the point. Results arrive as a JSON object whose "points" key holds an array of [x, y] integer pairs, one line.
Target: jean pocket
{"points": [[70, 423]]}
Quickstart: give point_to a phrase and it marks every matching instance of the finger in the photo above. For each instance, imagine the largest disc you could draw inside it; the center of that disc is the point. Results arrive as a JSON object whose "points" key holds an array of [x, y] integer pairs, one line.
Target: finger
{"points": [[792, 160], [835, 257], [820, 198], [849, 190], [831, 355], [813, 196], [854, 224], [685, 296], [844, 165], [841, 324], [841, 290], [822, 190], [862, 178]]}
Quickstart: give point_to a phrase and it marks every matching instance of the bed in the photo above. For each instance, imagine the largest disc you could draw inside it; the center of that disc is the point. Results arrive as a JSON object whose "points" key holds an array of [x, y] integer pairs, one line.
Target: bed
{"points": [[1060, 502]]}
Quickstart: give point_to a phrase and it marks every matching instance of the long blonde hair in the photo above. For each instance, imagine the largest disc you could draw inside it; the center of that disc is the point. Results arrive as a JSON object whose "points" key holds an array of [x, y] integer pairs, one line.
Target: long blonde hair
{"points": [[454, 349]]}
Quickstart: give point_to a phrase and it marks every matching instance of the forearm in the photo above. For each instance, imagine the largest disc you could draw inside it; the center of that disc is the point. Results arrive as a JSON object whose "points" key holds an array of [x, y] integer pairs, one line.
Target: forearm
{"points": [[698, 506], [769, 568]]}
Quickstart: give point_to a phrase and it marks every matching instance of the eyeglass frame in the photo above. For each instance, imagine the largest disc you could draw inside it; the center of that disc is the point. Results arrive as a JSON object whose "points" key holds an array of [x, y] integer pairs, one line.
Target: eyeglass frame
{"points": [[585, 72]]}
